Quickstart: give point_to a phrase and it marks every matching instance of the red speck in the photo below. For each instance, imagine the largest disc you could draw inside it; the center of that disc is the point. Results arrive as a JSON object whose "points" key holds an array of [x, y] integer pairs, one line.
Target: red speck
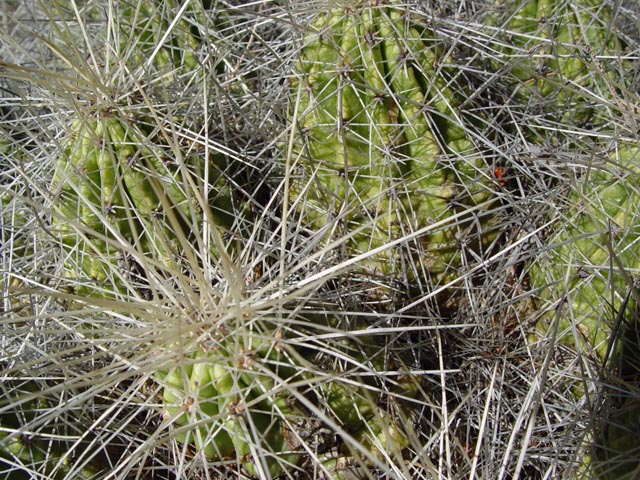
{"points": [[498, 172]]}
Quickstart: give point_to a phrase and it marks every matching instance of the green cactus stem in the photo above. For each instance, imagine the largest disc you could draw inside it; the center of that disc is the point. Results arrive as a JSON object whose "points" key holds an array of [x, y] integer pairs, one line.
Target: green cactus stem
{"points": [[594, 256], [380, 147]]}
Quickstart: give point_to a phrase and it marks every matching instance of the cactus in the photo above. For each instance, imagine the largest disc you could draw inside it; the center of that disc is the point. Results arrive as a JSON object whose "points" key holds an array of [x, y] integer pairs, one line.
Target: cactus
{"points": [[230, 397], [206, 38], [144, 30], [381, 146], [246, 393], [560, 54], [119, 193], [594, 258], [586, 287], [31, 447]]}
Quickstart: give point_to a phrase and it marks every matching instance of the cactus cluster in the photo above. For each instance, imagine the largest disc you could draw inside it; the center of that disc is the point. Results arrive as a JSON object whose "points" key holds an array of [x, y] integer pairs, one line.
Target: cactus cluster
{"points": [[568, 67], [382, 150], [386, 163], [255, 399], [119, 191]]}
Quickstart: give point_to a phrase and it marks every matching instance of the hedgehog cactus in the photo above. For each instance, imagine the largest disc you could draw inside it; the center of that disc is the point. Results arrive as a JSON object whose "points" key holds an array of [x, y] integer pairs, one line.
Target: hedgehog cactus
{"points": [[170, 41], [586, 290], [119, 191], [255, 399], [594, 259], [231, 397], [381, 148], [559, 51]]}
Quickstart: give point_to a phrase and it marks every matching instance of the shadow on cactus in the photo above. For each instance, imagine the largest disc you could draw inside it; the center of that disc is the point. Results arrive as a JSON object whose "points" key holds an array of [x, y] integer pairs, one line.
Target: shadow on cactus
{"points": [[35, 444], [383, 160], [615, 450]]}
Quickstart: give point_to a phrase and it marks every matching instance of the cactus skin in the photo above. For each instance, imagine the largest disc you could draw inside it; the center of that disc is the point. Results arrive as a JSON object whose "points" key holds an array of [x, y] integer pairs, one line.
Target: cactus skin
{"points": [[118, 191], [223, 392], [381, 146], [558, 50], [602, 220]]}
